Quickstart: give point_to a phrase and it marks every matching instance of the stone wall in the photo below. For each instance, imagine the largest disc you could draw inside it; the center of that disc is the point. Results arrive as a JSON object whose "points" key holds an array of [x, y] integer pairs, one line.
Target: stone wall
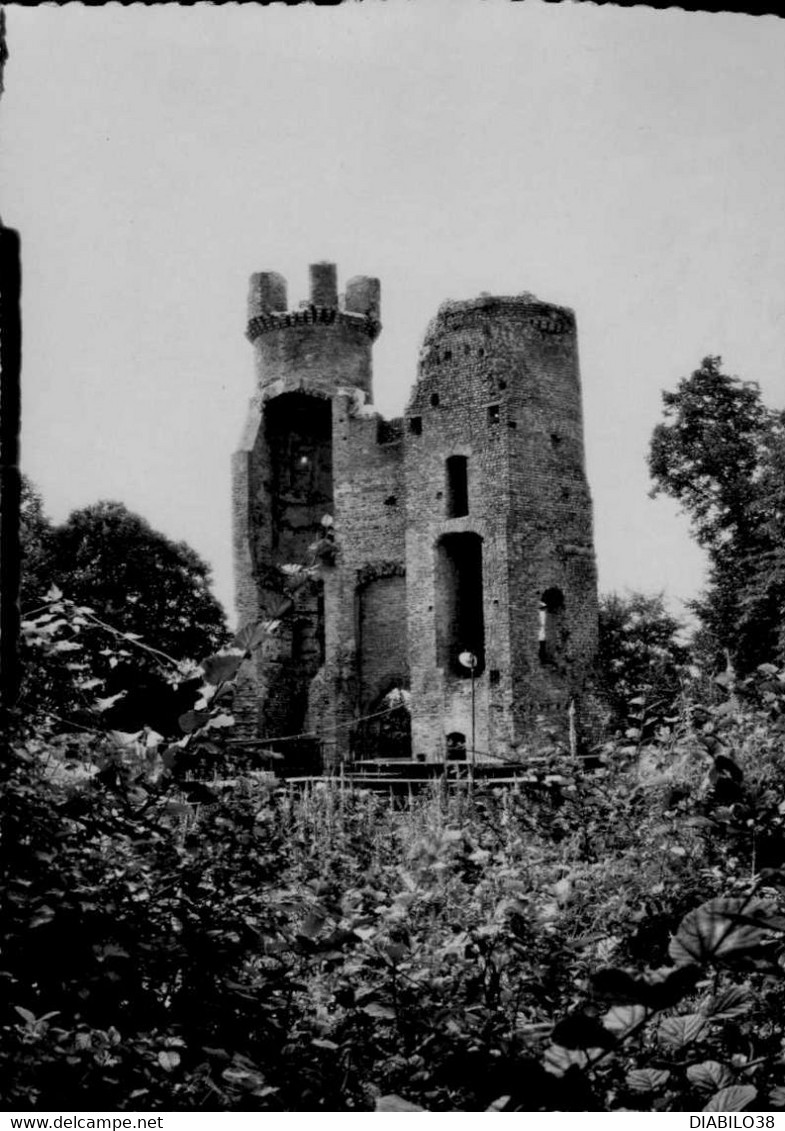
{"points": [[466, 525]]}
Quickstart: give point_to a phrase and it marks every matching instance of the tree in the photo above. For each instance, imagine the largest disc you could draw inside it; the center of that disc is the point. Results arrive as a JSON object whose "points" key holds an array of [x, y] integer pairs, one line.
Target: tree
{"points": [[639, 655], [35, 547], [719, 453], [762, 603], [137, 582]]}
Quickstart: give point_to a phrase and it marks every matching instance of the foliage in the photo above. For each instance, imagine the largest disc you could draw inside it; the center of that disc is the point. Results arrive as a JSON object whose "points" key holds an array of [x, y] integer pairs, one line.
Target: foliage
{"points": [[139, 579], [133, 580], [721, 453], [35, 545], [181, 935], [640, 659], [762, 613]]}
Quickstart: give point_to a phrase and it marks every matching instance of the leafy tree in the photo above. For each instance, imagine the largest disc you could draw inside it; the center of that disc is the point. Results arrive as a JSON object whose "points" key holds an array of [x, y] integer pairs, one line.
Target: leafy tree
{"points": [[137, 581], [639, 654], [719, 452], [35, 545], [762, 611]]}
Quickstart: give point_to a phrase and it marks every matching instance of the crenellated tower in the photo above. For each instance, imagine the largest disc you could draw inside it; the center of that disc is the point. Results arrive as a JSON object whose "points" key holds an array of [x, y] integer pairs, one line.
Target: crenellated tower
{"points": [[313, 369], [462, 528]]}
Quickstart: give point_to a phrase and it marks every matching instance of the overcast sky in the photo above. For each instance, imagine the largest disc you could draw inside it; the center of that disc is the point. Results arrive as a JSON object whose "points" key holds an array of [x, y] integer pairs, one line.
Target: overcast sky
{"points": [[628, 163]]}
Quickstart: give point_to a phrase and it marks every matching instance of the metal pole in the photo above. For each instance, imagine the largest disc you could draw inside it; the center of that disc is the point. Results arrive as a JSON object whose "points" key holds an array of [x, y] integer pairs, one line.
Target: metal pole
{"points": [[469, 660], [472, 762]]}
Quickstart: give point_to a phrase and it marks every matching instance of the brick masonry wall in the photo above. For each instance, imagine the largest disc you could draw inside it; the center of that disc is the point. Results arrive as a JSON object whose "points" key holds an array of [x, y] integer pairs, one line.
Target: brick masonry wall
{"points": [[382, 658], [370, 515], [498, 384]]}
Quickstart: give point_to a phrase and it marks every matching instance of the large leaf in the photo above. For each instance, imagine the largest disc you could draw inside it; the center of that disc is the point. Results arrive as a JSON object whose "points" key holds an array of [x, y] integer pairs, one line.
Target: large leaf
{"points": [[676, 1032], [730, 1002], [622, 1018], [395, 1103], [734, 1098], [192, 720], [222, 667], [709, 1075], [647, 1079], [558, 1060], [719, 930], [251, 636]]}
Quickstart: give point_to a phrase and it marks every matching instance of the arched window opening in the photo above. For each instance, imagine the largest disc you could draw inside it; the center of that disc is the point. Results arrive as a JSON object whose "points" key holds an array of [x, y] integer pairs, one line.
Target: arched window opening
{"points": [[457, 486], [456, 747], [298, 429], [460, 625], [551, 631]]}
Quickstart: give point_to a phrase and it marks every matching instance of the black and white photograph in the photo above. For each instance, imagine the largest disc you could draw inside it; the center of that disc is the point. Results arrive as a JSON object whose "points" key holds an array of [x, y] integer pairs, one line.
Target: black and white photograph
{"points": [[392, 546]]}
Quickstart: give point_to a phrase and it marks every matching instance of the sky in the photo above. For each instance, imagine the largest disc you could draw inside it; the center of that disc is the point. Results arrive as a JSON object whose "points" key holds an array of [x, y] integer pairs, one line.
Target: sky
{"points": [[625, 162]]}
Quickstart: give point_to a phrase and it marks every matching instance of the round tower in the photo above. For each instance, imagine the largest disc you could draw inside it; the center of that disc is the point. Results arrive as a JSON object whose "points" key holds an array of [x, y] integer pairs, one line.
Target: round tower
{"points": [[287, 478], [323, 344], [499, 542]]}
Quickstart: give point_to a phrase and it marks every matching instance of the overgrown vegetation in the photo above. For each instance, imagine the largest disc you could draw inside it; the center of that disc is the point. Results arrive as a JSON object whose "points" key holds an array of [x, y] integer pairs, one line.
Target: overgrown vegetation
{"points": [[137, 584], [180, 933], [641, 659], [721, 453]]}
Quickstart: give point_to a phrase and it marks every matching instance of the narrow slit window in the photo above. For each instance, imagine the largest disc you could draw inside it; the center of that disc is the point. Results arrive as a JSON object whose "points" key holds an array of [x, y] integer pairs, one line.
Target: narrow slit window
{"points": [[457, 486], [494, 414], [415, 425]]}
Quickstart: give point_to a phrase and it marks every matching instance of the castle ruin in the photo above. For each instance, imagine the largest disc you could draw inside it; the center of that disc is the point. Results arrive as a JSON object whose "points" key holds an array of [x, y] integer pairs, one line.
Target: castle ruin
{"points": [[456, 583]]}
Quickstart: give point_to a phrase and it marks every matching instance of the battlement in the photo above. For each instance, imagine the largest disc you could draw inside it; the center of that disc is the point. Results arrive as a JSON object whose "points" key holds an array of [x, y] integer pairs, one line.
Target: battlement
{"points": [[525, 308], [462, 528], [359, 308]]}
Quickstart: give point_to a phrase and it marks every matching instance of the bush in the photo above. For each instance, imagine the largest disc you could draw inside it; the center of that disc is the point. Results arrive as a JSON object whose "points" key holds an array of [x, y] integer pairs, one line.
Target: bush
{"points": [[181, 933]]}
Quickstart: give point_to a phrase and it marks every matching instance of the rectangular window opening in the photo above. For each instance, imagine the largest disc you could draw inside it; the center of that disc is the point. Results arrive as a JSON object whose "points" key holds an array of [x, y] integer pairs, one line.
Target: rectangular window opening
{"points": [[459, 605], [457, 486]]}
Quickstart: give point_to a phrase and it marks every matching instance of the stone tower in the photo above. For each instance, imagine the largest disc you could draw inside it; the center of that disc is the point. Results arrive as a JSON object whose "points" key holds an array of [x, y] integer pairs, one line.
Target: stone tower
{"points": [[499, 548], [463, 527]]}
